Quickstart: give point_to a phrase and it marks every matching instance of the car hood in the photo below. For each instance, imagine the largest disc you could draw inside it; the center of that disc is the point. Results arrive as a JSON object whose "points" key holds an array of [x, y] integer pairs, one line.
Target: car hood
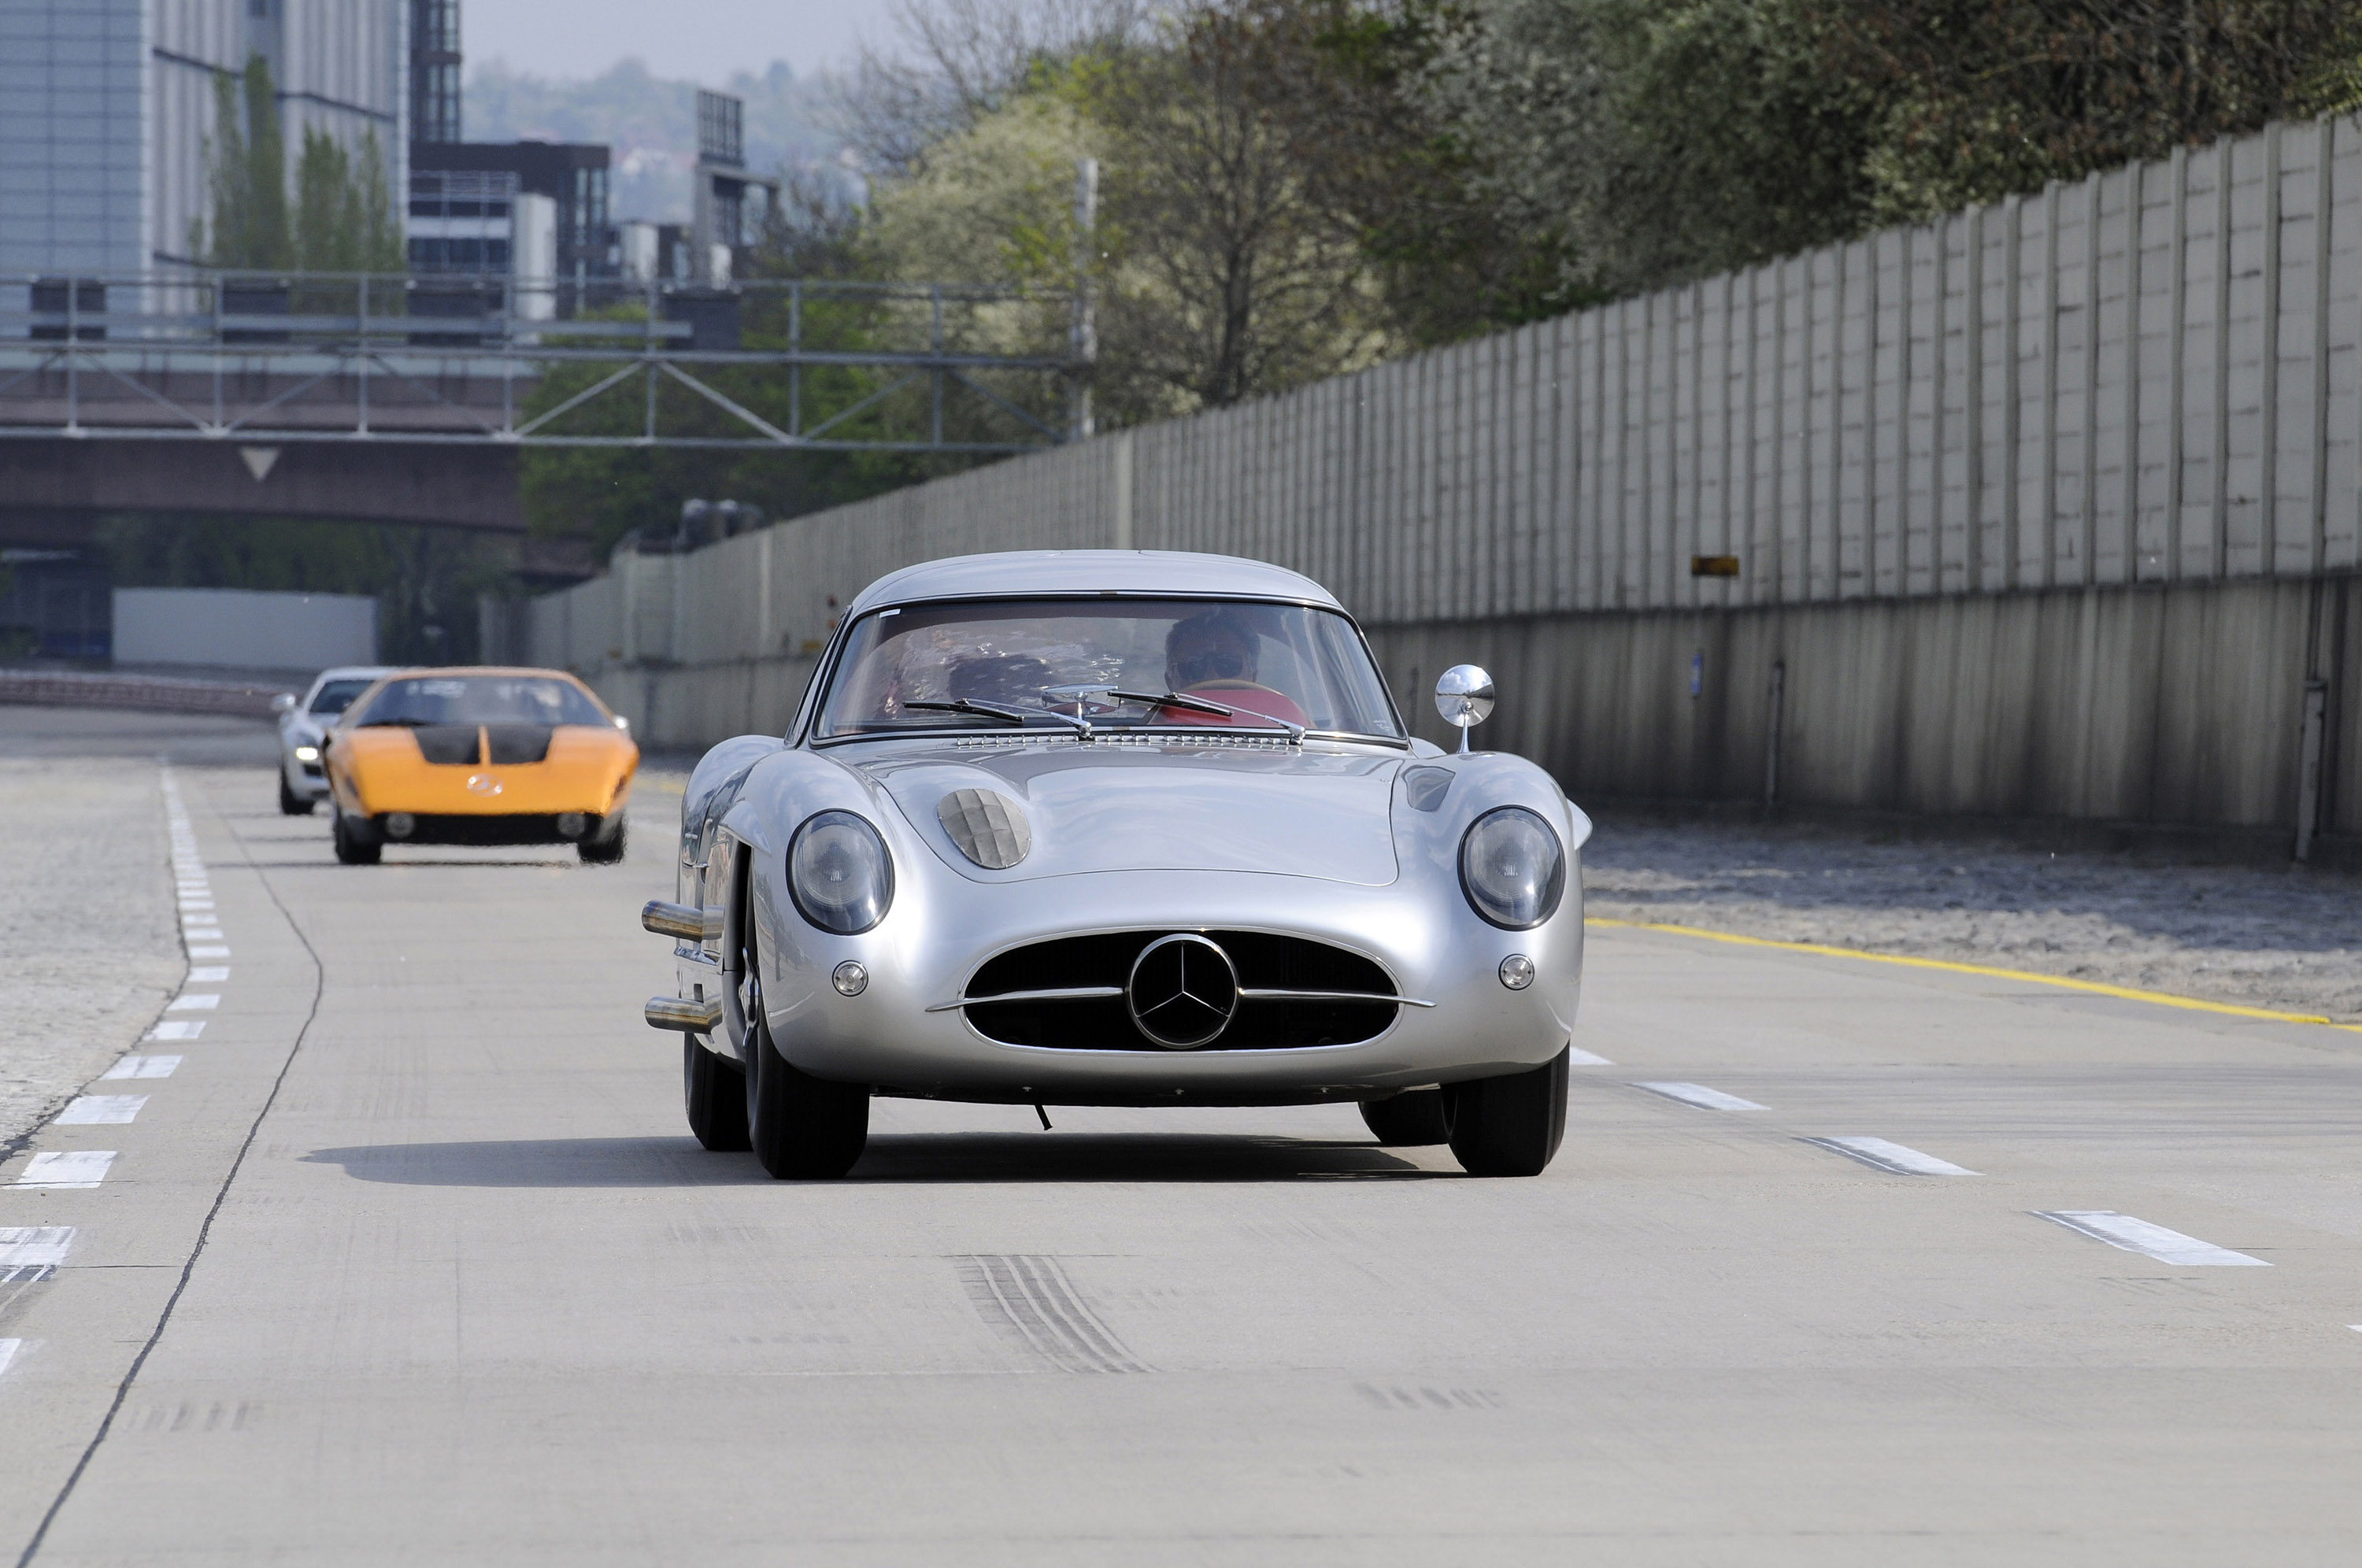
{"points": [[1320, 811]]}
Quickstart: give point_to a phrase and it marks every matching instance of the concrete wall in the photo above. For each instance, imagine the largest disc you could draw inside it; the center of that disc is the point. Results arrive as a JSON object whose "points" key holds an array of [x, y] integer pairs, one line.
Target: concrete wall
{"points": [[234, 629], [2160, 705]]}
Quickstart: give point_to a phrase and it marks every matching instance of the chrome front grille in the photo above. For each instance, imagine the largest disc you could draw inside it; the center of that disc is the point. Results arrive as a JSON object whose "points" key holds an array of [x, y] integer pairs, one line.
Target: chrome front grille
{"points": [[1070, 993]]}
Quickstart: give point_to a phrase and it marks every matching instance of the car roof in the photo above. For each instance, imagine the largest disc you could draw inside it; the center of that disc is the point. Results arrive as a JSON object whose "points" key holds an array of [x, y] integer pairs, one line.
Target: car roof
{"points": [[1008, 573], [351, 672]]}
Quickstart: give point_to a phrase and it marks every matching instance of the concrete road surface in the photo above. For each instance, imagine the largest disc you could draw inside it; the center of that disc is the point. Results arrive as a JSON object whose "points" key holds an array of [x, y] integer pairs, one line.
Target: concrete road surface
{"points": [[408, 1258]]}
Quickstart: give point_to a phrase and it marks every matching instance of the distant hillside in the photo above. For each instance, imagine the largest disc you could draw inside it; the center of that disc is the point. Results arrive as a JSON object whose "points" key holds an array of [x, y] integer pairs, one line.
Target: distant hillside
{"points": [[650, 121]]}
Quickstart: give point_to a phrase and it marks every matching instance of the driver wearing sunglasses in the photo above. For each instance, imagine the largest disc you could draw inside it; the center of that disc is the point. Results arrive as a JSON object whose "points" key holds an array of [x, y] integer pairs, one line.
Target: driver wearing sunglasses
{"points": [[1210, 647], [1212, 654]]}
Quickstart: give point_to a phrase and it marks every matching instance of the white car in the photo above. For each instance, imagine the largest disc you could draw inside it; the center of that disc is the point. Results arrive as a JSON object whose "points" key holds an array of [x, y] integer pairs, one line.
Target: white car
{"points": [[1101, 827], [305, 722]]}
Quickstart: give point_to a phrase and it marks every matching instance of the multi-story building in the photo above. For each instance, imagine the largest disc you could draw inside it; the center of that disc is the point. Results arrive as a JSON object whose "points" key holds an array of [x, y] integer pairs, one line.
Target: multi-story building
{"points": [[107, 108]]}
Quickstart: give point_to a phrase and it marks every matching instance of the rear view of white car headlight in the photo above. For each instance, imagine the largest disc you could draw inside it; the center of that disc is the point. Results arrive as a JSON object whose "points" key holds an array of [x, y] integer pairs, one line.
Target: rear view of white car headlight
{"points": [[1512, 869], [839, 873]]}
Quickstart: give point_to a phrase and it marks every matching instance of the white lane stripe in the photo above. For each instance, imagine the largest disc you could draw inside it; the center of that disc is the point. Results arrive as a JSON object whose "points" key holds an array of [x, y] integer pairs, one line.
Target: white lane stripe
{"points": [[209, 975], [1880, 1154], [1704, 1098], [208, 952], [178, 1029], [1577, 1056], [66, 1168], [2149, 1241], [8, 1352], [203, 933], [194, 1003], [101, 1109], [143, 1067], [34, 1246]]}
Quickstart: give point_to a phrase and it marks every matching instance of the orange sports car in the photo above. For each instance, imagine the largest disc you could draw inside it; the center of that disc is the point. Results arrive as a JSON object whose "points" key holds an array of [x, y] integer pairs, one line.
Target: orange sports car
{"points": [[479, 756]]}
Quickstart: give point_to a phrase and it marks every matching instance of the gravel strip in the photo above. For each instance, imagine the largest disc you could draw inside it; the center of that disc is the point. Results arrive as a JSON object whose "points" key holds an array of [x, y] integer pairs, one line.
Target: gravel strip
{"points": [[89, 949], [2289, 940]]}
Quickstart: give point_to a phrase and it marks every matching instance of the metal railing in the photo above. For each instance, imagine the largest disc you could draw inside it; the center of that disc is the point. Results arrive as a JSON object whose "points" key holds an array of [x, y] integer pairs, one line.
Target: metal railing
{"points": [[435, 357]]}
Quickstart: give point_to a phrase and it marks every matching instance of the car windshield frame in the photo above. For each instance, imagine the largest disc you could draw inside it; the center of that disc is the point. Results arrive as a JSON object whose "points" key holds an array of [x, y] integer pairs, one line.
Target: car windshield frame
{"points": [[361, 717], [361, 685], [812, 711]]}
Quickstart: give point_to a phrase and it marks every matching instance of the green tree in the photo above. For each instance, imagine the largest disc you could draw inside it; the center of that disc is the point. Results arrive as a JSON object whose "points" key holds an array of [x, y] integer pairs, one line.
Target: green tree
{"points": [[1984, 97], [342, 216], [247, 174]]}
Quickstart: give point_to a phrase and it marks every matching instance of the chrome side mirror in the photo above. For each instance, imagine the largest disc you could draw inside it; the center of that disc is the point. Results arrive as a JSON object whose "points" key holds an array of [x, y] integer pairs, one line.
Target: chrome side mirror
{"points": [[283, 704], [1464, 695]]}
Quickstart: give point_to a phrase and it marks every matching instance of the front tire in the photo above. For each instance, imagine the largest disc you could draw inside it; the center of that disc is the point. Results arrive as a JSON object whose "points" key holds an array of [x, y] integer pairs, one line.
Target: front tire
{"points": [[1411, 1119], [713, 1091], [605, 851], [1508, 1126], [802, 1128], [352, 848], [290, 804]]}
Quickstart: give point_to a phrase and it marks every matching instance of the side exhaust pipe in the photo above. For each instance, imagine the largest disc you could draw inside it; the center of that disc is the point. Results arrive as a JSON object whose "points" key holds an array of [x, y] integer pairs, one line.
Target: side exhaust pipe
{"points": [[681, 921], [688, 1017]]}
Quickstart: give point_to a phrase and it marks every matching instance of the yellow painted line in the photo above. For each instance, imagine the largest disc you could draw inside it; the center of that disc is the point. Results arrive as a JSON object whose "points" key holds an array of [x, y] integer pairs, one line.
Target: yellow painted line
{"points": [[2162, 999]]}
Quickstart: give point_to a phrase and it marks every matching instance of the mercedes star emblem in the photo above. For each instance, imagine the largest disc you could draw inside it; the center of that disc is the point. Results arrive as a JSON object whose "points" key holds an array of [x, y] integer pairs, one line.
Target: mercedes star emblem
{"points": [[1183, 992]]}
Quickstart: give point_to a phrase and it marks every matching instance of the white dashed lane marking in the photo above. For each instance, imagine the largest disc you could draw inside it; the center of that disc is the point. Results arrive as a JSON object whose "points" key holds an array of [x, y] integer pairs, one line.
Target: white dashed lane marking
{"points": [[2149, 1241], [101, 1109], [209, 976], [208, 952], [1579, 1057], [143, 1067], [29, 1253], [1880, 1154], [1704, 1098], [66, 1168], [205, 1002], [179, 1029], [8, 1353]]}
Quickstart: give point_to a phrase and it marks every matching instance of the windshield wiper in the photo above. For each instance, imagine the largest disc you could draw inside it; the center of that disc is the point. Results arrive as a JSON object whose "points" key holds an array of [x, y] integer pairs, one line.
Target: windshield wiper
{"points": [[1081, 727], [1206, 705]]}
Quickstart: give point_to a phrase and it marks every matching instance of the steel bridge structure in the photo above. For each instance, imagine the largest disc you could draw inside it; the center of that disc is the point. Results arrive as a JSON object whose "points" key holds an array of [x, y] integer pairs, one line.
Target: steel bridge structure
{"points": [[264, 361]]}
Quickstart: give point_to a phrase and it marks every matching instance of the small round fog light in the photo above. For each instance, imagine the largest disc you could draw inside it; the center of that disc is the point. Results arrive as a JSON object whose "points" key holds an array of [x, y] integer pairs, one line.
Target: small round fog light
{"points": [[399, 825], [849, 978], [570, 825], [1516, 971]]}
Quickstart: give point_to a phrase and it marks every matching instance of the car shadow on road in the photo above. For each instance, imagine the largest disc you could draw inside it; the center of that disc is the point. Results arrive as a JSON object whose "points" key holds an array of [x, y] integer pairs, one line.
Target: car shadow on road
{"points": [[890, 1157]]}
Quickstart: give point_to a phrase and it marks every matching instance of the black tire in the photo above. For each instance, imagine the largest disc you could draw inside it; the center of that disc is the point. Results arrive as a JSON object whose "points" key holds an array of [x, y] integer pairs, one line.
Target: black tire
{"points": [[607, 851], [290, 804], [802, 1128], [1411, 1119], [354, 848], [1508, 1126], [713, 1091]]}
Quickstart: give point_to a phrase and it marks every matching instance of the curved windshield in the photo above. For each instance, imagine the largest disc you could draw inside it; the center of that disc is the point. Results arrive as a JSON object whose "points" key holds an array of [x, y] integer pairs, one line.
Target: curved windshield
{"points": [[418, 700], [1117, 663], [336, 696]]}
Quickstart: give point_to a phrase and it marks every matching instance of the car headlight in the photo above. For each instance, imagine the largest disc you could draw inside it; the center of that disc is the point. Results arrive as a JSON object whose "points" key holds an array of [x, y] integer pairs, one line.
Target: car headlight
{"points": [[307, 753], [1512, 869], [839, 873]]}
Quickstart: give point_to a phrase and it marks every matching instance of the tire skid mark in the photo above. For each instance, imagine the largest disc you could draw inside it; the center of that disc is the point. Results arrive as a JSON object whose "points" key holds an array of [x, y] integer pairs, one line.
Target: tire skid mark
{"points": [[1028, 1299]]}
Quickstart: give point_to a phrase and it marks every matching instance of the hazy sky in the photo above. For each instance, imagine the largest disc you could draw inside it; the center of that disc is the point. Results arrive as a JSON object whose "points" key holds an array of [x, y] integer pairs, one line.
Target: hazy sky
{"points": [[703, 40]]}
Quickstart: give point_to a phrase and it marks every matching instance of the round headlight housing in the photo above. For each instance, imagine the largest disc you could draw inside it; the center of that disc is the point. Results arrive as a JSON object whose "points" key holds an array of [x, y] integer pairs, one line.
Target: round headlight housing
{"points": [[1512, 869], [839, 873]]}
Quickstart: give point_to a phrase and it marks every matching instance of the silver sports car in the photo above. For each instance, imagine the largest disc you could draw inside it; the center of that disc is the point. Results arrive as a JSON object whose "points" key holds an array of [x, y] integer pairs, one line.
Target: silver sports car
{"points": [[305, 722], [1119, 828]]}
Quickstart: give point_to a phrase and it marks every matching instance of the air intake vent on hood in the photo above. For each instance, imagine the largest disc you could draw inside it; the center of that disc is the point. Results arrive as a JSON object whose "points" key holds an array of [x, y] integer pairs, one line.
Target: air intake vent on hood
{"points": [[989, 828]]}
